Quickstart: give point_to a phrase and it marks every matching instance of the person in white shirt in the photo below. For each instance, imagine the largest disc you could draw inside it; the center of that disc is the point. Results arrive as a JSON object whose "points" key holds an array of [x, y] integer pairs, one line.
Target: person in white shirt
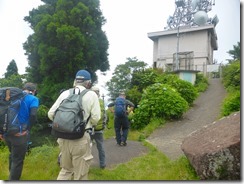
{"points": [[76, 154]]}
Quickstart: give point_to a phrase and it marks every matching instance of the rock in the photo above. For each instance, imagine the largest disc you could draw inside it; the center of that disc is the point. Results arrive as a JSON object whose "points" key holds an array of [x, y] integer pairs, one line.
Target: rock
{"points": [[214, 151]]}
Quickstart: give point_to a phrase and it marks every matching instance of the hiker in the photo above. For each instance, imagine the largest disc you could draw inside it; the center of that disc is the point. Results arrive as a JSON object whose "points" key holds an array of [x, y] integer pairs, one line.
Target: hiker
{"points": [[98, 131], [76, 153], [17, 143], [121, 121]]}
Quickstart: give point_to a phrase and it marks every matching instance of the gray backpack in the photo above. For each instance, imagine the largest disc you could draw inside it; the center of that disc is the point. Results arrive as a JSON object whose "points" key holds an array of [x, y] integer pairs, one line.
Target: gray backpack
{"points": [[69, 122]]}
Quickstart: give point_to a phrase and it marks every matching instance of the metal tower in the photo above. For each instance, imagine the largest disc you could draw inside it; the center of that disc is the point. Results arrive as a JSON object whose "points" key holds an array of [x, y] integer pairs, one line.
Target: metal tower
{"points": [[190, 13]]}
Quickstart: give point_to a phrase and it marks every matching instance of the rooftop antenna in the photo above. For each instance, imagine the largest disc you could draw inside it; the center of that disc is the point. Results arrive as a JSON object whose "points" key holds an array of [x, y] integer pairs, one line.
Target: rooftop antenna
{"points": [[185, 10]]}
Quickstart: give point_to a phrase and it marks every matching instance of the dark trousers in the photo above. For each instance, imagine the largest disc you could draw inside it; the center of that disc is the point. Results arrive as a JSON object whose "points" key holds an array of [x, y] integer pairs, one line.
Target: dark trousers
{"points": [[98, 137], [121, 126], [17, 147]]}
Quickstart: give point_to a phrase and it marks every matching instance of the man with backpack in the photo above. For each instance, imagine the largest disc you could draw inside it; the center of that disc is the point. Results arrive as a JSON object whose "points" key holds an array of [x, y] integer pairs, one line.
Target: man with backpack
{"points": [[121, 121], [75, 146], [16, 135], [98, 131]]}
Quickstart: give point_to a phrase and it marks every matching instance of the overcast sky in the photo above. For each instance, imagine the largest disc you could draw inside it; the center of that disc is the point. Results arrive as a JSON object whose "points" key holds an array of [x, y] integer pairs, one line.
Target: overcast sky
{"points": [[128, 22]]}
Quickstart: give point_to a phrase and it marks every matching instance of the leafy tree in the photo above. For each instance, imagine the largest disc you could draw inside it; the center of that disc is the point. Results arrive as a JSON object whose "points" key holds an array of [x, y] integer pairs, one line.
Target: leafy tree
{"points": [[144, 77], [122, 76], [235, 53], [12, 69], [67, 36], [14, 80], [141, 79]]}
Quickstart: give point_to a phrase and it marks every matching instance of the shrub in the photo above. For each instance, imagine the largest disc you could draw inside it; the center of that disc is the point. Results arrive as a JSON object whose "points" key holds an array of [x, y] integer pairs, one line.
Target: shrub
{"points": [[185, 88], [231, 103], [158, 101], [232, 76], [201, 83], [42, 119]]}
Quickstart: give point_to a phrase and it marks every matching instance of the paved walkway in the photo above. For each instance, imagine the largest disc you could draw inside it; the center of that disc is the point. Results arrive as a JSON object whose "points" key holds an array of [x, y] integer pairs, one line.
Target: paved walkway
{"points": [[205, 110], [168, 139]]}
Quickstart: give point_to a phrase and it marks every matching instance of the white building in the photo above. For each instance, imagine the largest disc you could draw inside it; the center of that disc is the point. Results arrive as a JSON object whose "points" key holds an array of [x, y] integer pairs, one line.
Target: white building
{"points": [[194, 45]]}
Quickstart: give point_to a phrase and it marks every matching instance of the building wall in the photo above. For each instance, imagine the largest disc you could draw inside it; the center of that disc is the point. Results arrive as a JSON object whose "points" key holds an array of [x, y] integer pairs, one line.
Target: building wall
{"points": [[199, 41]]}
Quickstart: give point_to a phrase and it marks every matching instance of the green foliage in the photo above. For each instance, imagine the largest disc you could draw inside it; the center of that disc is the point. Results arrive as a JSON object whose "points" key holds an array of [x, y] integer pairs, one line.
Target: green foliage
{"points": [[41, 164], [232, 75], [42, 119], [152, 166], [148, 130], [67, 36], [159, 101], [134, 95], [12, 69], [122, 76], [42, 114], [185, 88], [201, 83], [14, 80], [143, 78], [2, 144], [232, 103], [235, 53]]}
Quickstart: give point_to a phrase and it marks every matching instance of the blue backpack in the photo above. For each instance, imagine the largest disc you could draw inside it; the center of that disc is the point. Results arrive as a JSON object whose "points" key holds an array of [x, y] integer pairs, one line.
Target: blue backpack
{"points": [[120, 107], [10, 101]]}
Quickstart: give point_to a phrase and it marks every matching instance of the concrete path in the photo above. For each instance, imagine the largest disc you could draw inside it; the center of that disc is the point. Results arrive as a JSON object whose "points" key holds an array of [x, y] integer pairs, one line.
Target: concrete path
{"points": [[205, 110], [168, 139]]}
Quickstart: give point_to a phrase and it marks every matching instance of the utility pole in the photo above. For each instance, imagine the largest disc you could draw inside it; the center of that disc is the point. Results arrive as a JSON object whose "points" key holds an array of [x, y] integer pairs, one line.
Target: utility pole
{"points": [[177, 49]]}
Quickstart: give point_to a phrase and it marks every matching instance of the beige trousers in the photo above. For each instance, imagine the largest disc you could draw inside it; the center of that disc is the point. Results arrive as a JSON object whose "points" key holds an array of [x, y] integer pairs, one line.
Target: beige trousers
{"points": [[75, 159]]}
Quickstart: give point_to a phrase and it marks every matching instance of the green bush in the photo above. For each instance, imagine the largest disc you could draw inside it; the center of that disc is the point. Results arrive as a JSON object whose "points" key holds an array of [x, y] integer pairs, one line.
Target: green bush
{"points": [[231, 103], [201, 83], [158, 101], [185, 88], [232, 76], [42, 119]]}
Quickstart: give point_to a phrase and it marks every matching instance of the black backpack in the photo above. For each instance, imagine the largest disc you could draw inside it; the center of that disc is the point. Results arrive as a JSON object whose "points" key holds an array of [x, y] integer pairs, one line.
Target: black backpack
{"points": [[69, 122], [10, 100]]}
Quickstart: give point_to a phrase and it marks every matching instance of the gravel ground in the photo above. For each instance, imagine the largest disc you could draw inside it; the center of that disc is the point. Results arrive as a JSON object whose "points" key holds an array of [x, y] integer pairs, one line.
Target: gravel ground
{"points": [[168, 139]]}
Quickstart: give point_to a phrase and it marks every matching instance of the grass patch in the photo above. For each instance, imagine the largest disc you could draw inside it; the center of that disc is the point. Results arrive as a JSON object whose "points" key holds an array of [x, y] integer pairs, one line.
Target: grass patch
{"points": [[41, 163], [152, 166]]}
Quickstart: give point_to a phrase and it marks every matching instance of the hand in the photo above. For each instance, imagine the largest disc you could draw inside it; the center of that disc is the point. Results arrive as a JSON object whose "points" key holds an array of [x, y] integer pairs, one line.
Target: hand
{"points": [[1, 137]]}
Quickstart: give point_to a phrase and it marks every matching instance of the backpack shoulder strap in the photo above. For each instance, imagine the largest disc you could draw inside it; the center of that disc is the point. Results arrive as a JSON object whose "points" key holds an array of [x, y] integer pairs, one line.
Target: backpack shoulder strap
{"points": [[81, 95], [84, 92]]}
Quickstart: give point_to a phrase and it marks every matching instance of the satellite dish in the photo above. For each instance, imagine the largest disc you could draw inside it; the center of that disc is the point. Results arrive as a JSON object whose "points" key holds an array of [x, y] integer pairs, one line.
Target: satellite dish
{"points": [[200, 18], [215, 20], [194, 4]]}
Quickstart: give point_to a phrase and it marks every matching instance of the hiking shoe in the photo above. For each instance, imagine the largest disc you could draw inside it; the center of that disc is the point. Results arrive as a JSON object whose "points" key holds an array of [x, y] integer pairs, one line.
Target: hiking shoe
{"points": [[103, 167], [118, 144], [123, 144]]}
